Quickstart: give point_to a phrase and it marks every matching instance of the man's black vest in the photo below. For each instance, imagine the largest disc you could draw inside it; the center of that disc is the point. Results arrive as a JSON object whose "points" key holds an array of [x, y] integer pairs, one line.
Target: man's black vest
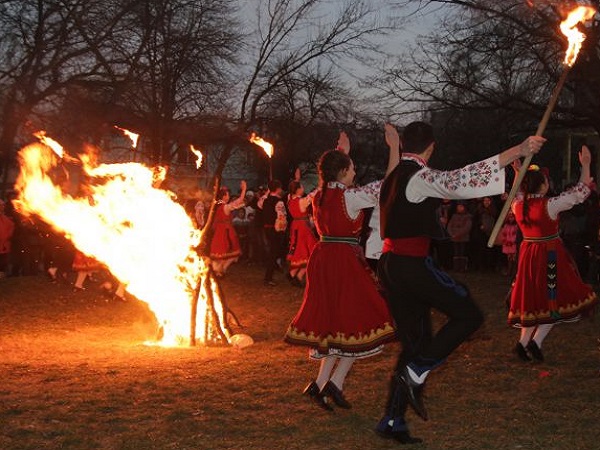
{"points": [[401, 218], [269, 212]]}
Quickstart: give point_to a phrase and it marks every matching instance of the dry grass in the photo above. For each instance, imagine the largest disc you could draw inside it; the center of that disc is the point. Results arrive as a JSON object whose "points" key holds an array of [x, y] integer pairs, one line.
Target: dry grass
{"points": [[74, 375]]}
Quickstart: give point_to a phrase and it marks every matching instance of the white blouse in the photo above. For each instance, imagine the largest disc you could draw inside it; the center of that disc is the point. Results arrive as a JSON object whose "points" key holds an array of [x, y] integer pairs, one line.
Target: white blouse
{"points": [[565, 201], [358, 198]]}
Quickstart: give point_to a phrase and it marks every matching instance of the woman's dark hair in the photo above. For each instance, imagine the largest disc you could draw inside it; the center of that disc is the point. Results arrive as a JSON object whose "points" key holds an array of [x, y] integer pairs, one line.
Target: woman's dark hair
{"points": [[294, 186], [329, 166], [416, 137], [222, 193], [532, 181]]}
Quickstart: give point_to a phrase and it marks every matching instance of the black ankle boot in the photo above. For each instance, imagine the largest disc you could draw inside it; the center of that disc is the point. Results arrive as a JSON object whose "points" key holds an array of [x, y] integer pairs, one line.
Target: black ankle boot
{"points": [[403, 437], [535, 351], [331, 390], [521, 352], [414, 392], [312, 390]]}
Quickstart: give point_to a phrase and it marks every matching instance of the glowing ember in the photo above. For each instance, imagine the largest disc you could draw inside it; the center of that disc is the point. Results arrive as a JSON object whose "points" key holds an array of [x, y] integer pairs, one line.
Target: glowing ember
{"points": [[138, 231], [198, 156], [131, 135], [266, 146], [569, 28]]}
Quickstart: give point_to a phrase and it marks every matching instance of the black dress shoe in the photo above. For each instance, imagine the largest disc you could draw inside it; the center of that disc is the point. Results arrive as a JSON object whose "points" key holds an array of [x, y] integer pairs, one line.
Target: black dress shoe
{"points": [[521, 352], [414, 392], [535, 351], [331, 390], [312, 390], [403, 437], [296, 282]]}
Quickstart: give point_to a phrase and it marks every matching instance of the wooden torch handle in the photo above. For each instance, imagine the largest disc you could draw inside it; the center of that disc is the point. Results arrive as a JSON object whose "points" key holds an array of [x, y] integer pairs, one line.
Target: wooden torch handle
{"points": [[540, 131]]}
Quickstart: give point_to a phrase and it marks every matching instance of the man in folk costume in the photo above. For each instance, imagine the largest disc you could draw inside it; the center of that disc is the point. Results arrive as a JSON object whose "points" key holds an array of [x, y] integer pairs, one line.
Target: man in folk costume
{"points": [[275, 224], [413, 284]]}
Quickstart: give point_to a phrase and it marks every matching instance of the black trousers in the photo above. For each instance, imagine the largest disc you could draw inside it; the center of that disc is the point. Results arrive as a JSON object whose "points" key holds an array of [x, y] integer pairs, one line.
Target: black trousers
{"points": [[274, 246], [413, 286]]}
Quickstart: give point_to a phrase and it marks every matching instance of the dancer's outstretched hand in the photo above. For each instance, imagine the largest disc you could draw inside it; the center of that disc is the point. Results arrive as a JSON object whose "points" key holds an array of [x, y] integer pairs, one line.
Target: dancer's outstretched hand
{"points": [[391, 136], [343, 144], [585, 157]]}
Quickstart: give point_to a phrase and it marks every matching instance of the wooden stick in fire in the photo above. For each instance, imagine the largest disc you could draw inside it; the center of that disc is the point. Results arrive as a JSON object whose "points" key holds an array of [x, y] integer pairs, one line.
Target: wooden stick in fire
{"points": [[568, 28]]}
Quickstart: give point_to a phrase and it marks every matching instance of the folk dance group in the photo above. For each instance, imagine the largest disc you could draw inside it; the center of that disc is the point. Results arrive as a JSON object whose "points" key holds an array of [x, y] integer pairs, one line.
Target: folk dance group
{"points": [[349, 313]]}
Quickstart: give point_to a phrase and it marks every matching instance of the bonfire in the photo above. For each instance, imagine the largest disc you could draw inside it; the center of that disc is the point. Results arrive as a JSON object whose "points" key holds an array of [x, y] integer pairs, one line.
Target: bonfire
{"points": [[120, 216]]}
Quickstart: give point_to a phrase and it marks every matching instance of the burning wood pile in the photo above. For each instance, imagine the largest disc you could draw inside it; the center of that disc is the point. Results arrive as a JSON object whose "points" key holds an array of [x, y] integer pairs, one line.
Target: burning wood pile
{"points": [[122, 218]]}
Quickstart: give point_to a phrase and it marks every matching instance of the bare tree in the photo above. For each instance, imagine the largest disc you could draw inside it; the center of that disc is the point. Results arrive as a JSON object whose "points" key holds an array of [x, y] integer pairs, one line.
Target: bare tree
{"points": [[294, 33], [488, 55], [183, 67], [304, 114], [38, 50], [291, 35]]}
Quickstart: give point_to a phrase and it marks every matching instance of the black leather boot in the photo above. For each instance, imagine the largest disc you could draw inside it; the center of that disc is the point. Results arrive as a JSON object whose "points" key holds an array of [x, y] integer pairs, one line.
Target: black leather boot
{"points": [[331, 390], [313, 391]]}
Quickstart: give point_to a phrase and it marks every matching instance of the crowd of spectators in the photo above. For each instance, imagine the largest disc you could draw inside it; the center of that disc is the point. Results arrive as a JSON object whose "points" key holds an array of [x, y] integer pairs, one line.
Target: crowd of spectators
{"points": [[468, 225], [30, 247]]}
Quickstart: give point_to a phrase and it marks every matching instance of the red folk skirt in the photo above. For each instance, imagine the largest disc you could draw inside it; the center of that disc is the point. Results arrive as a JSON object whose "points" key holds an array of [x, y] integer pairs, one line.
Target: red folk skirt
{"points": [[548, 288], [343, 312]]}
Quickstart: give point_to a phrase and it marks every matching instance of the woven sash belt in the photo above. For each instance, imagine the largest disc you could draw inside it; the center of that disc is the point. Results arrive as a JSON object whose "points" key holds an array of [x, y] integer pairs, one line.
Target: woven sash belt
{"points": [[339, 240]]}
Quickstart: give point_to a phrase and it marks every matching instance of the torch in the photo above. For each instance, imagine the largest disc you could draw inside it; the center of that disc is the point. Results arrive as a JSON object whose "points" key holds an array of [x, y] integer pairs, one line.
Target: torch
{"points": [[267, 147], [199, 156], [569, 28], [54, 146], [133, 137]]}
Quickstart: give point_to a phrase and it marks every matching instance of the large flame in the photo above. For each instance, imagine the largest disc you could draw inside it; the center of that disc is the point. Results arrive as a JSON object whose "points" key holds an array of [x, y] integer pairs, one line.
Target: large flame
{"points": [[266, 146], [568, 27], [198, 156], [124, 221], [133, 137]]}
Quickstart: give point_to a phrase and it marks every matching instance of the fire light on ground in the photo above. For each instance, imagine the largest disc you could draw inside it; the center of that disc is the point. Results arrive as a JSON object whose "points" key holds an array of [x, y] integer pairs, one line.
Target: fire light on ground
{"points": [[137, 230]]}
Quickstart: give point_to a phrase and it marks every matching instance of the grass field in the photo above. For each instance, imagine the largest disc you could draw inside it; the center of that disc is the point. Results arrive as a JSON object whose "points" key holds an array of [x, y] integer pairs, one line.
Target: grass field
{"points": [[74, 374]]}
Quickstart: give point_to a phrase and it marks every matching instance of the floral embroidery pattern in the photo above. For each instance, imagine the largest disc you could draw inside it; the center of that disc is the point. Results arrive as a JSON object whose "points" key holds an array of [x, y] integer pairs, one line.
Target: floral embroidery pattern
{"points": [[580, 191], [370, 189], [474, 175]]}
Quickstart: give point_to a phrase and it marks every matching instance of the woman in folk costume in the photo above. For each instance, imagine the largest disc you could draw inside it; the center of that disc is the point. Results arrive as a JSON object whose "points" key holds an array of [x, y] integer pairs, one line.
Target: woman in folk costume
{"points": [[85, 266], [547, 288], [343, 316], [225, 246], [7, 228], [302, 236]]}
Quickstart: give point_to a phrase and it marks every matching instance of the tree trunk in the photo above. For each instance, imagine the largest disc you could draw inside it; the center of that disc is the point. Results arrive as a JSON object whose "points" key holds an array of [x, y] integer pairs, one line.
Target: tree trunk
{"points": [[12, 120]]}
